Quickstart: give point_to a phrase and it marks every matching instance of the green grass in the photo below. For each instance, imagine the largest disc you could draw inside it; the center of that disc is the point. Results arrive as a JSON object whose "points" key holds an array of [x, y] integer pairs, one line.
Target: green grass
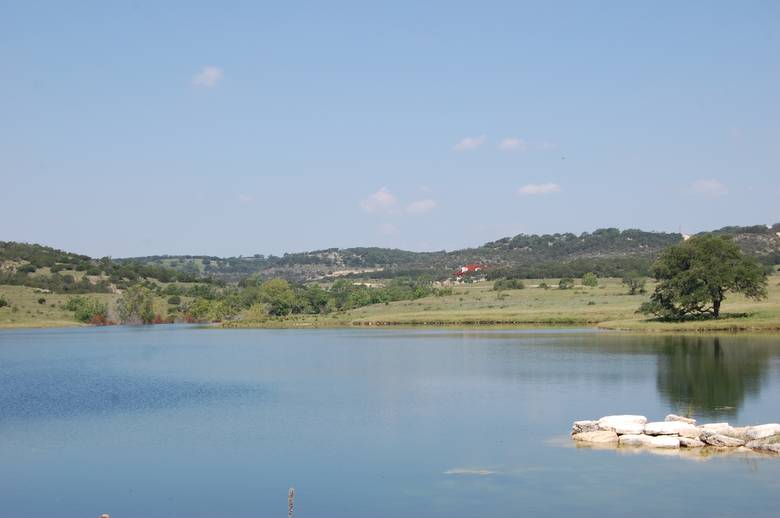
{"points": [[25, 311], [607, 306]]}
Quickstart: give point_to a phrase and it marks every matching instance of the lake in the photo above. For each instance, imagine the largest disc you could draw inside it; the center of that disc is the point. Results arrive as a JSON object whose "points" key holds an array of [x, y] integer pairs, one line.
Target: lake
{"points": [[185, 421]]}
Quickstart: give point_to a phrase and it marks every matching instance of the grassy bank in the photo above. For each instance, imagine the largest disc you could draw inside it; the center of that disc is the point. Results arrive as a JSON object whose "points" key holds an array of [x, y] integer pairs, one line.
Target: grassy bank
{"points": [[28, 308], [607, 306]]}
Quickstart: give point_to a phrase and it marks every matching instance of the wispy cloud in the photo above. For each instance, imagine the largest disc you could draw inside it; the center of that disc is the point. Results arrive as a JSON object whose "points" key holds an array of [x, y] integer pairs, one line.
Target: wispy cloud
{"points": [[711, 188], [512, 144], [208, 77], [421, 206], [533, 189], [470, 143], [382, 201], [246, 198]]}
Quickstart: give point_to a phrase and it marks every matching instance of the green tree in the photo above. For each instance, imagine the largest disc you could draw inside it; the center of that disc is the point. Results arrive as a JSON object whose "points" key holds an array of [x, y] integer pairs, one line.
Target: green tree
{"points": [[590, 280], [566, 283], [634, 282], [316, 298], [279, 296], [695, 276], [136, 305]]}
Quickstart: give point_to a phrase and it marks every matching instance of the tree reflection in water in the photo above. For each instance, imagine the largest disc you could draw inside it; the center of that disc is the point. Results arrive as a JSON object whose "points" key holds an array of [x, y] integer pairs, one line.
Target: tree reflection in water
{"points": [[709, 376]]}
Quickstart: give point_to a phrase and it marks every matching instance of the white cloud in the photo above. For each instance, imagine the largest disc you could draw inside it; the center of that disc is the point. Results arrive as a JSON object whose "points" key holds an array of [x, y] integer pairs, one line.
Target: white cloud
{"points": [[512, 144], [388, 229], [539, 188], [245, 198], [380, 201], [712, 188], [208, 77], [421, 206], [470, 143]]}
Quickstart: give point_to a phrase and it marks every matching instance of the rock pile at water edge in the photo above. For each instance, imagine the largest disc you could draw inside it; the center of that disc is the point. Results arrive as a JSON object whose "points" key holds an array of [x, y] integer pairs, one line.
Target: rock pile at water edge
{"points": [[675, 432]]}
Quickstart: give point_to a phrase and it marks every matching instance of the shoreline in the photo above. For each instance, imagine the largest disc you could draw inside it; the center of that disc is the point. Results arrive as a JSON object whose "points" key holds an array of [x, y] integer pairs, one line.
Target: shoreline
{"points": [[649, 328]]}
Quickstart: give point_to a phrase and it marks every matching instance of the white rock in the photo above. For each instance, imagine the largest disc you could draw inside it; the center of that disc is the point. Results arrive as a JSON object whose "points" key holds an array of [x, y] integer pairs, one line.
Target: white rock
{"points": [[687, 442], [623, 424], [762, 431], [761, 445], [633, 440], [584, 426], [664, 441], [736, 432], [648, 441], [672, 428], [601, 436], [673, 417], [716, 439], [716, 427]]}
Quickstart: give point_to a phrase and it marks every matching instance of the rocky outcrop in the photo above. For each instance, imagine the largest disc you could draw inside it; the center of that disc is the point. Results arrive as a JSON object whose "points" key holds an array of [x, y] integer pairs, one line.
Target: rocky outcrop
{"points": [[584, 426], [673, 428], [600, 436], [762, 431], [676, 432], [720, 440], [649, 441], [673, 418], [623, 424], [687, 442]]}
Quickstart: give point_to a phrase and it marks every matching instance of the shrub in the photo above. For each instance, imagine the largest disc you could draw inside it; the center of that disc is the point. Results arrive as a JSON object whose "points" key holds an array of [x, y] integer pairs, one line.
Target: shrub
{"points": [[41, 300], [87, 309], [174, 299], [544, 285], [3, 302], [27, 268], [590, 280], [136, 306], [508, 284], [566, 283], [635, 283]]}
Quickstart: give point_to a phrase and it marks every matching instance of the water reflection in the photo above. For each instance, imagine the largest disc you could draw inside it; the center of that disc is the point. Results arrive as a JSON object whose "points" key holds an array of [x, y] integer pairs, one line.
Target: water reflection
{"points": [[710, 376]]}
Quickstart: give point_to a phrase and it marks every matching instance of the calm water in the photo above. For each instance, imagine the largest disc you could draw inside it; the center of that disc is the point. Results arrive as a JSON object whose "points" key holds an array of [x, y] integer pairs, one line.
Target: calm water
{"points": [[179, 421]]}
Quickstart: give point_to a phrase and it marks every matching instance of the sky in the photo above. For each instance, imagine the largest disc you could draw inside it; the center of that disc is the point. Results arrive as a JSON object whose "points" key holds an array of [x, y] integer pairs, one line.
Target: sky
{"points": [[235, 128]]}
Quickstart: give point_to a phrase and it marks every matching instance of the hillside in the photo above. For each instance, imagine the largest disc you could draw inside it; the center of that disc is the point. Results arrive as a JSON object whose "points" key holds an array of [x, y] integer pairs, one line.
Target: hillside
{"points": [[608, 252], [50, 269]]}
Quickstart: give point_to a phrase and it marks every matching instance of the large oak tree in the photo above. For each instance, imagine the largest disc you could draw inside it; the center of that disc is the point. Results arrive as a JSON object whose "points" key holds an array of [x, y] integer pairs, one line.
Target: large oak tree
{"points": [[694, 277]]}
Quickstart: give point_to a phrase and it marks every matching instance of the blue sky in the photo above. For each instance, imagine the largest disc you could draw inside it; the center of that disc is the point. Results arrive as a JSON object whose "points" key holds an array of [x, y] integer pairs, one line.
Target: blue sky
{"points": [[239, 128]]}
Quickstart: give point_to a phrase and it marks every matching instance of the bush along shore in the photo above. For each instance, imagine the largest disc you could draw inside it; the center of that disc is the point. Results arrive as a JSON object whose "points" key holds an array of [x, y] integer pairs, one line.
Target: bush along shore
{"points": [[675, 432]]}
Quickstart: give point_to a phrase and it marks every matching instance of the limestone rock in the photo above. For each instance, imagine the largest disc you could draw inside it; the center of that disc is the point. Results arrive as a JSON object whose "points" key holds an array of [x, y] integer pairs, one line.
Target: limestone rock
{"points": [[673, 418], [762, 431], [687, 442], [648, 441], [716, 439], [600, 436], [664, 441], [623, 424], [716, 427], [584, 426], [764, 446], [633, 440], [672, 428]]}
